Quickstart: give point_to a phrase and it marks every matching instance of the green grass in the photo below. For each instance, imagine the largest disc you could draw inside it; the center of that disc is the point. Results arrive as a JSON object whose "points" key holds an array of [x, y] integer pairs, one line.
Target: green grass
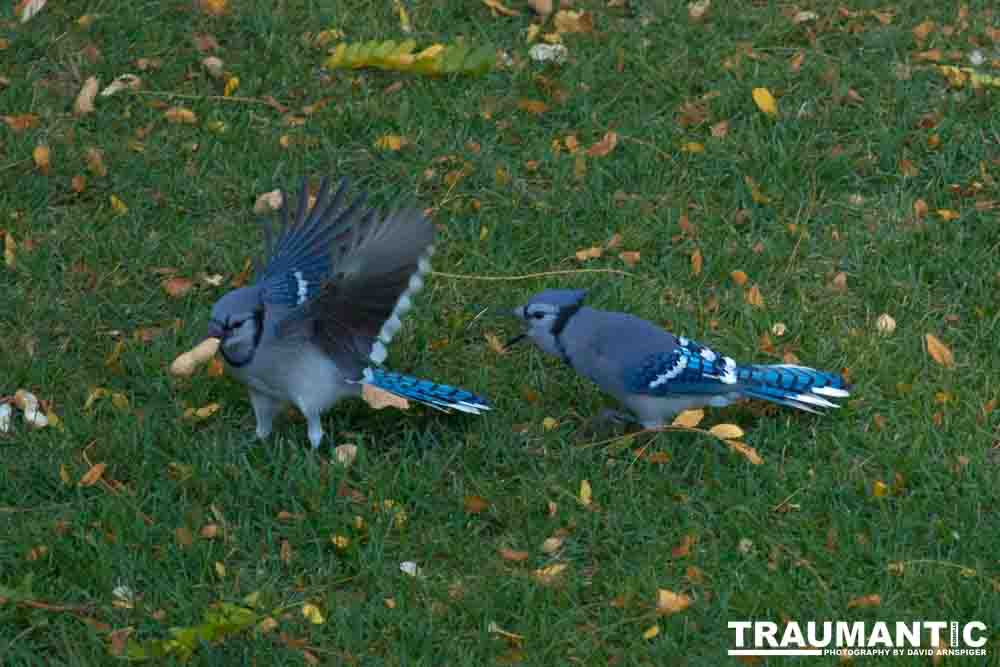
{"points": [[838, 202]]}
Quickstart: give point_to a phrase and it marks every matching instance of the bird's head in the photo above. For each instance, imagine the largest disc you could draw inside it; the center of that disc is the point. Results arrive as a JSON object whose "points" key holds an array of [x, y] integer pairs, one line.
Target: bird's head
{"points": [[238, 321], [545, 314]]}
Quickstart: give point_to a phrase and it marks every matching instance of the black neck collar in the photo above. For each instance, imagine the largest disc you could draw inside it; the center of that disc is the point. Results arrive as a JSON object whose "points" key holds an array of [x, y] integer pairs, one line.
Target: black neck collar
{"points": [[562, 319], [258, 317]]}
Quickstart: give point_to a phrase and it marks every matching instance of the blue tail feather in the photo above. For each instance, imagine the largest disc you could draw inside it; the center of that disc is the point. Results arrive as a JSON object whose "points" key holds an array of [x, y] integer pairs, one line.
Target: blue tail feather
{"points": [[440, 396], [792, 386]]}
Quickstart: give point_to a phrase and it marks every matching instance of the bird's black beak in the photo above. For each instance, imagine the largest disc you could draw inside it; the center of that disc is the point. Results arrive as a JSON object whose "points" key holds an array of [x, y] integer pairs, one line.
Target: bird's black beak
{"points": [[514, 341], [216, 330]]}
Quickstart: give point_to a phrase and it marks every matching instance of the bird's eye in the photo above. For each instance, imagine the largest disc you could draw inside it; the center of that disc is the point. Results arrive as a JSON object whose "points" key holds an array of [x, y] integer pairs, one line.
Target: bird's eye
{"points": [[538, 314]]}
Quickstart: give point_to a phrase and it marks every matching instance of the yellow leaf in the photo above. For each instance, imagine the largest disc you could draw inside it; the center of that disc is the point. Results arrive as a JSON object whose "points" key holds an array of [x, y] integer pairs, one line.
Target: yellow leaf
{"points": [[232, 83], [692, 147], [668, 602], [84, 103], [9, 250], [586, 494], [745, 450], [93, 475], [42, 157], [180, 115], [313, 614], [755, 193], [499, 8], [765, 101], [739, 277], [64, 474], [391, 142], [512, 555], [120, 208], [689, 418], [340, 542], [567, 20], [726, 431], [220, 569], [873, 600], [938, 351], [213, 7], [880, 489], [589, 253], [651, 632], [380, 398], [404, 16], [549, 424], [549, 574], [947, 214], [754, 297], [696, 262], [536, 107]]}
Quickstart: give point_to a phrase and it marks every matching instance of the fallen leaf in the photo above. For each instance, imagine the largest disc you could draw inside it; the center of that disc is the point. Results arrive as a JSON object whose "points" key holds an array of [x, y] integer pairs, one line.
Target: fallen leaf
{"points": [[214, 67], [696, 262], [26, 9], [726, 431], [668, 602], [204, 412], [22, 122], [754, 297], [42, 157], [630, 257], [93, 475], [589, 253], [549, 574], [692, 147], [804, 16], [380, 398], [495, 343], [651, 632], [604, 146], [312, 614], [921, 31], [95, 162], [513, 555], [177, 286], [9, 250], [586, 493], [746, 451], [765, 101], [689, 418], [541, 7], [947, 214], [920, 209], [232, 83], [873, 600], [475, 504], [123, 82], [795, 64], [739, 277], [938, 351], [391, 142], [84, 103], [180, 115], [214, 8], [500, 8], [697, 10], [536, 107], [880, 489], [345, 454], [683, 550], [552, 545], [569, 21], [720, 129]]}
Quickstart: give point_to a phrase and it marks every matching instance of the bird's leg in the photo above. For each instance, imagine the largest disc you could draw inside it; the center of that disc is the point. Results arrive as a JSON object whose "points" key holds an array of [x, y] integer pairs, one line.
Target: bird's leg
{"points": [[315, 428], [264, 408], [616, 417], [607, 423]]}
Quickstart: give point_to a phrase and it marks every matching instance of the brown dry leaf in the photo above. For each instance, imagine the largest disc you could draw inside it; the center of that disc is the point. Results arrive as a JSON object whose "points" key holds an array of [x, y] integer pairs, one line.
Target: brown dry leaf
{"points": [[921, 32], [720, 129], [938, 351], [541, 7], [696, 262], [21, 122], [873, 600], [204, 412], [604, 146], [630, 257], [43, 158], [209, 531], [180, 115], [204, 41], [697, 10], [947, 214], [933, 55], [726, 431], [683, 550], [920, 208], [549, 574], [907, 168], [214, 67], [795, 64], [183, 536], [177, 286], [589, 253], [739, 277], [9, 250], [499, 8], [95, 162], [552, 545], [391, 142], [689, 418], [495, 343], [93, 475], [285, 552], [536, 107], [668, 602], [512, 555], [567, 20], [78, 183], [84, 103], [746, 451], [839, 282], [380, 398], [754, 297], [475, 504]]}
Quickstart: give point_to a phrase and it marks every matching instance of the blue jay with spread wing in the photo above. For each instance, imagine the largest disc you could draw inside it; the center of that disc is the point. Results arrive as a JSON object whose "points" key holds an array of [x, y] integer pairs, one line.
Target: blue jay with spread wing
{"points": [[326, 300], [656, 374]]}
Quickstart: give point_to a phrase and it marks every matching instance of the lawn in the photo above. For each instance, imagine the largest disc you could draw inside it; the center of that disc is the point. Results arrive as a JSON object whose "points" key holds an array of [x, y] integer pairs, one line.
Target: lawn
{"points": [[873, 190]]}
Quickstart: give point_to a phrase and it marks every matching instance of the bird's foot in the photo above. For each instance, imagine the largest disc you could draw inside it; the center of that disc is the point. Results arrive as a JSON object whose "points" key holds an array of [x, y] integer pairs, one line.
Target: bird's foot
{"points": [[607, 423]]}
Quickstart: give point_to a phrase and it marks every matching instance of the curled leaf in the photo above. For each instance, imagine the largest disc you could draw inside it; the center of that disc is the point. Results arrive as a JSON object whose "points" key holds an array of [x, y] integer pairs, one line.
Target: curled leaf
{"points": [[765, 101], [689, 418], [726, 431], [938, 351], [84, 103]]}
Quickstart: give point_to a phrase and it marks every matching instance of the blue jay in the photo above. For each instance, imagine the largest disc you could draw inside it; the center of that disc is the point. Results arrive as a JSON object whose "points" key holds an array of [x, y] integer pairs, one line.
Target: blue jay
{"points": [[327, 298], [656, 374]]}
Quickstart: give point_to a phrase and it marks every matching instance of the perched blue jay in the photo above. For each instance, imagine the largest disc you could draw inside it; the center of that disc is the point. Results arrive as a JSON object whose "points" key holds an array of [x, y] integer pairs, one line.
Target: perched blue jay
{"points": [[654, 373], [327, 299]]}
